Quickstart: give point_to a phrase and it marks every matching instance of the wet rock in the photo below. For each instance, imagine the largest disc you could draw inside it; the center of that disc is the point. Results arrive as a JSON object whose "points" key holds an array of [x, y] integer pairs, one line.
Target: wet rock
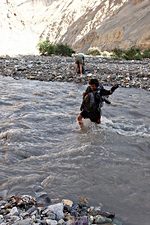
{"points": [[51, 215], [101, 220], [14, 211], [51, 222], [24, 222], [25, 201], [41, 196], [23, 210], [67, 202], [57, 209], [1, 219]]}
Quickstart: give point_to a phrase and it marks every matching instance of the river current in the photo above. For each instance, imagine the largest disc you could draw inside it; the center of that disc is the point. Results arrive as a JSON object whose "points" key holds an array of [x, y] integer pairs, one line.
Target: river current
{"points": [[41, 144]]}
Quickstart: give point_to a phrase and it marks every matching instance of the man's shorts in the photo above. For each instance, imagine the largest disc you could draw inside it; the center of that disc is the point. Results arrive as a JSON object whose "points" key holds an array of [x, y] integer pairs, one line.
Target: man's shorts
{"points": [[79, 59], [93, 116]]}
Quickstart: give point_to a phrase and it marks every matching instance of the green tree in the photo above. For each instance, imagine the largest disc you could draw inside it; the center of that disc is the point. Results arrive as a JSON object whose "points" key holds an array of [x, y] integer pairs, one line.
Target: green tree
{"points": [[63, 49], [47, 48]]}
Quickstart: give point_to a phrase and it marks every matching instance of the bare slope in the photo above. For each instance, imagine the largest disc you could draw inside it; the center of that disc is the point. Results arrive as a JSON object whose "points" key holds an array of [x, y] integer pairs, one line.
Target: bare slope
{"points": [[82, 24]]}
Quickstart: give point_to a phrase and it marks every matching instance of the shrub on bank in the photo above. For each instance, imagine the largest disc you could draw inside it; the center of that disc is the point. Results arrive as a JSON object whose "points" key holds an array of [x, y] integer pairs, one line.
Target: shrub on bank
{"points": [[43, 47], [93, 52], [47, 48], [132, 53], [63, 49], [146, 53], [117, 53]]}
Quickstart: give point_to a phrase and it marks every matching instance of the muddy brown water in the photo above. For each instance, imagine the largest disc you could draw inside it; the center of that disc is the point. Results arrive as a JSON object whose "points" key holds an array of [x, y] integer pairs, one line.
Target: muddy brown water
{"points": [[41, 144]]}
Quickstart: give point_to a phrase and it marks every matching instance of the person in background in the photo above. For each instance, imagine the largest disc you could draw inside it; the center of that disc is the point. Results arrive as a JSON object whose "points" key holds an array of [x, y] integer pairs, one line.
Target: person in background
{"points": [[79, 63], [93, 99]]}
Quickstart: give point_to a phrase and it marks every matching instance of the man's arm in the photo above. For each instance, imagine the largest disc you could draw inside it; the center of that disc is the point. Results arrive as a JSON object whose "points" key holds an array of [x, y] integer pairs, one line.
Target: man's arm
{"points": [[109, 92]]}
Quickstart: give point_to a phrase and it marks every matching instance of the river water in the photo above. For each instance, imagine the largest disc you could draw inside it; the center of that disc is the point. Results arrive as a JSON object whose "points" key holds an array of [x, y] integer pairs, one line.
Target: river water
{"points": [[41, 144]]}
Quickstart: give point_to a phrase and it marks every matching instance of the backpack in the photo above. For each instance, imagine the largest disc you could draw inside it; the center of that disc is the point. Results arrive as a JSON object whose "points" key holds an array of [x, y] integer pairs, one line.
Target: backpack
{"points": [[92, 102]]}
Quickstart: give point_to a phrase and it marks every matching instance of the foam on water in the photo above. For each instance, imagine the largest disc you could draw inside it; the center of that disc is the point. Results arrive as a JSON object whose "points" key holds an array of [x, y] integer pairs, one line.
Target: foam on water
{"points": [[128, 128]]}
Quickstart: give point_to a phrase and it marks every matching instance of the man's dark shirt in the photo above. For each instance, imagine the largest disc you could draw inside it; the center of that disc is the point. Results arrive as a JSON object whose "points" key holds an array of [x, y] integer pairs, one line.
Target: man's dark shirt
{"points": [[100, 89]]}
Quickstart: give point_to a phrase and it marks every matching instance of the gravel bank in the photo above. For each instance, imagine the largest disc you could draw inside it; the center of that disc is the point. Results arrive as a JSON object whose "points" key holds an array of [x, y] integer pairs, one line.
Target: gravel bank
{"points": [[108, 71]]}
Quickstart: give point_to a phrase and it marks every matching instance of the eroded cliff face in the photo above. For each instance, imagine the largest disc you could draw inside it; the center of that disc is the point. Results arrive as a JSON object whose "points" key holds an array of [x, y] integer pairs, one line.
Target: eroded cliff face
{"points": [[84, 24], [128, 27]]}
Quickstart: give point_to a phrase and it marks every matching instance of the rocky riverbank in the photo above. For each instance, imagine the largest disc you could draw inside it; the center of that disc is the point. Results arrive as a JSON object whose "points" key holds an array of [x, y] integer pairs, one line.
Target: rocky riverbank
{"points": [[40, 210], [108, 71]]}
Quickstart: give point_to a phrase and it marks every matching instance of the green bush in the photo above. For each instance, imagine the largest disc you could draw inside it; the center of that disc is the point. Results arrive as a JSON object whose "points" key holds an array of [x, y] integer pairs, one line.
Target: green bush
{"points": [[51, 49], [132, 53], [146, 53], [43, 47], [47, 48], [117, 53], [65, 50]]}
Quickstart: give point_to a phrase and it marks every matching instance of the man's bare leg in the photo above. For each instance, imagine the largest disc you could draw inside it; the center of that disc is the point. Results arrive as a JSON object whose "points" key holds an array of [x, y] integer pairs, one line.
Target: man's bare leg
{"points": [[80, 68], [80, 121], [98, 121]]}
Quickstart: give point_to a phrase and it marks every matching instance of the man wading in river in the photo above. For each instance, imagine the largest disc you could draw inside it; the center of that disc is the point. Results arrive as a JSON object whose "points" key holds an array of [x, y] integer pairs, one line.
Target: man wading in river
{"points": [[92, 103]]}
